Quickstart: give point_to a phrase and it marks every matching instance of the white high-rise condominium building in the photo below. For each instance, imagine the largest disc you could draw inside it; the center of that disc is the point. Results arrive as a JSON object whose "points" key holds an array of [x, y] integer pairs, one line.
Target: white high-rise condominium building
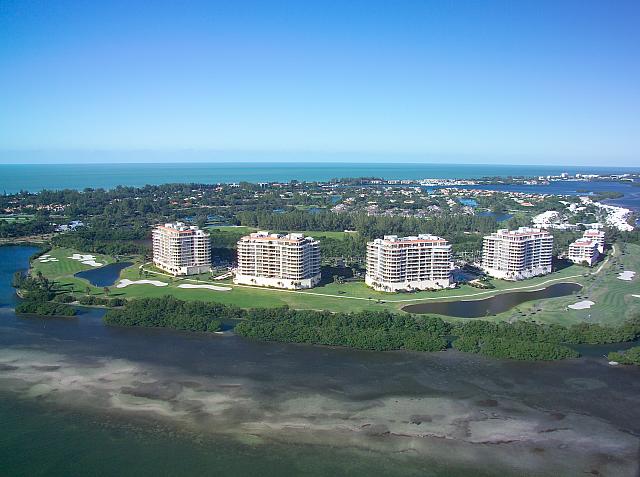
{"points": [[282, 261], [180, 249], [596, 236], [517, 254], [408, 263], [584, 250]]}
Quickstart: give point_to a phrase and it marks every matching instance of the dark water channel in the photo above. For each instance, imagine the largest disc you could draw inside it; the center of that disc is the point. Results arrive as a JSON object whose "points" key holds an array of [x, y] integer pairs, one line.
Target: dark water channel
{"points": [[491, 306]]}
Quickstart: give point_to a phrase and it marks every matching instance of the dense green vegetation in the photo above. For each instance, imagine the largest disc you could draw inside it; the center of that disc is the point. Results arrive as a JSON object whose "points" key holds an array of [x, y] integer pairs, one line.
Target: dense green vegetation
{"points": [[90, 300], [531, 341], [37, 306], [103, 238], [632, 236], [38, 294], [630, 356], [464, 231], [375, 330], [41, 224], [169, 312], [584, 333], [512, 348]]}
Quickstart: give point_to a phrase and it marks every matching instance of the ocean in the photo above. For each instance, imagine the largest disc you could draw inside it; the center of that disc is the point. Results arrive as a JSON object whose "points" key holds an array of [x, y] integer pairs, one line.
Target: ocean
{"points": [[36, 177]]}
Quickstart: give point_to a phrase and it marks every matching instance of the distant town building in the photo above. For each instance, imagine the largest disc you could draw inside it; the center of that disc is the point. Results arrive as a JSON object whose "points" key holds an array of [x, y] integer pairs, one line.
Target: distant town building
{"points": [[282, 261], [408, 263], [73, 225], [517, 254], [180, 249], [584, 251], [596, 236]]}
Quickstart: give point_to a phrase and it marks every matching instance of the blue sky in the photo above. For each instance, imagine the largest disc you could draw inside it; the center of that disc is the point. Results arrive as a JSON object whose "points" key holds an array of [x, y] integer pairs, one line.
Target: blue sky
{"points": [[512, 81]]}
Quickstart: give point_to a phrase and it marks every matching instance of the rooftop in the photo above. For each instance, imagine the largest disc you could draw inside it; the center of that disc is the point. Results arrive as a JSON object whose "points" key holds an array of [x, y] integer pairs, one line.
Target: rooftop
{"points": [[421, 238], [180, 227], [264, 235]]}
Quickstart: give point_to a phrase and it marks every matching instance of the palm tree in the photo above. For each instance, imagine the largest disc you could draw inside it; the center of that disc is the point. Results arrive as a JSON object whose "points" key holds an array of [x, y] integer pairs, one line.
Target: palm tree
{"points": [[106, 290], [87, 290]]}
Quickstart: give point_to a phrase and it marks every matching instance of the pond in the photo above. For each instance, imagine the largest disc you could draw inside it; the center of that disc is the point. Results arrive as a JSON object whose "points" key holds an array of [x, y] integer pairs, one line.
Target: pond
{"points": [[499, 216], [468, 202], [491, 306], [104, 276]]}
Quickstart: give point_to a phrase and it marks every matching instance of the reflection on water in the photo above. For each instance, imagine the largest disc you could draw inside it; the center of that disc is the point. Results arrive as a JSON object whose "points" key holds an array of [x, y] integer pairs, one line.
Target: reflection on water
{"points": [[104, 276], [77, 397], [491, 306]]}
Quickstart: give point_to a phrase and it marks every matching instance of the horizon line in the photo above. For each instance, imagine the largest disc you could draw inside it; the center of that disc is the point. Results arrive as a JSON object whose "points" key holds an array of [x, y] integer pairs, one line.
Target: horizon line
{"points": [[332, 163]]}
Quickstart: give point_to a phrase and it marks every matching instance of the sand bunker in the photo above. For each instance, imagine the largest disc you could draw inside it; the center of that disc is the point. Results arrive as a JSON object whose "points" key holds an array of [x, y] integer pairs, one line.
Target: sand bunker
{"points": [[48, 259], [86, 259], [582, 305], [627, 275], [125, 282], [210, 287]]}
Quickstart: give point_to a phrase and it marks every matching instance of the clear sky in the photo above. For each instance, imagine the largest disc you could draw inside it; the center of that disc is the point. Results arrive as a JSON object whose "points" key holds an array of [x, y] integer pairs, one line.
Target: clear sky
{"points": [[507, 81]]}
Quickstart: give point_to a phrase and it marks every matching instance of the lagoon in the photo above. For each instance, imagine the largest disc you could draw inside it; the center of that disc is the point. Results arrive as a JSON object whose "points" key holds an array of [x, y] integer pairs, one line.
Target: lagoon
{"points": [[491, 306], [105, 276]]}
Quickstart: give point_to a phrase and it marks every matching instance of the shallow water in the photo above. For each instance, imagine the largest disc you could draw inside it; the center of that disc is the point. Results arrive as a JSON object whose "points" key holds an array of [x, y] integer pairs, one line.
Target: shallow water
{"points": [[491, 306], [77, 397]]}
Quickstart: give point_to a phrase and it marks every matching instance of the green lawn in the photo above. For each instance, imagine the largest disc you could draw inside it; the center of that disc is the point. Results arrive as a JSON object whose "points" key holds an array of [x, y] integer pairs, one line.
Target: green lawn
{"points": [[20, 218], [63, 270], [232, 228], [330, 234], [613, 297], [351, 296], [248, 230], [66, 266]]}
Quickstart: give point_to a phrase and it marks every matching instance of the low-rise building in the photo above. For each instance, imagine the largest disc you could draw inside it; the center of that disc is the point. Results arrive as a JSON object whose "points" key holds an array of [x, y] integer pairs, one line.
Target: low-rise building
{"points": [[180, 249], [517, 254], [584, 251], [289, 261], [408, 263]]}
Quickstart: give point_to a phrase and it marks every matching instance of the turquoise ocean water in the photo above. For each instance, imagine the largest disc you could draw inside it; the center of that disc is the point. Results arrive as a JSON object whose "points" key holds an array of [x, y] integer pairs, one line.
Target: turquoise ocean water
{"points": [[35, 177]]}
